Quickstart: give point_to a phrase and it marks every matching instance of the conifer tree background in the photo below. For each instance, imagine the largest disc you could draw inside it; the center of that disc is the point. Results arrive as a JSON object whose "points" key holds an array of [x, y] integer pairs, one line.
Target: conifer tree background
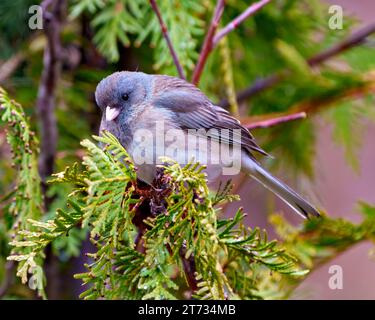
{"points": [[72, 212]]}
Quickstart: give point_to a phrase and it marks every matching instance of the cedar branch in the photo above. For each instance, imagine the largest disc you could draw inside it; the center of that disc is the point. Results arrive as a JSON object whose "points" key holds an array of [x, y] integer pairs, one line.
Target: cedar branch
{"points": [[251, 10], [165, 32], [53, 20], [271, 120], [212, 39], [208, 44]]}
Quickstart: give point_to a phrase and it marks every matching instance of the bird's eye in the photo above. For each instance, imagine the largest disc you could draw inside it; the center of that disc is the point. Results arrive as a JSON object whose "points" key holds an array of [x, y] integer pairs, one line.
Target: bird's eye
{"points": [[125, 97]]}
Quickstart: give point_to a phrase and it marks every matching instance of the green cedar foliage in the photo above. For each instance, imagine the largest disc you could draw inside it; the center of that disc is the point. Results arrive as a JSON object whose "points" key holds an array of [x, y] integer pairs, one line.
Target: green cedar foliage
{"points": [[24, 202], [189, 227]]}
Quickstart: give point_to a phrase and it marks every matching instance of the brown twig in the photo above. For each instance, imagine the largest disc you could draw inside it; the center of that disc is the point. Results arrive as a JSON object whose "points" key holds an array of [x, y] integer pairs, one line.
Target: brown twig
{"points": [[152, 203], [143, 211], [53, 20], [315, 105], [355, 39], [165, 32], [258, 86], [253, 8], [208, 44], [9, 66], [266, 83], [212, 39], [45, 4], [271, 120], [304, 108]]}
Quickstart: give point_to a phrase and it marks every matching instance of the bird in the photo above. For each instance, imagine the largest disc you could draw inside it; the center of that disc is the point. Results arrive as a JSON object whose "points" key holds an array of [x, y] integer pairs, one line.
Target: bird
{"points": [[133, 104]]}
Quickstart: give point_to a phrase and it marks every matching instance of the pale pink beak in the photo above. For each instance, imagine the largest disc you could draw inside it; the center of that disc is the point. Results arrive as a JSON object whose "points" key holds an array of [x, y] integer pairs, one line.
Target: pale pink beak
{"points": [[111, 113]]}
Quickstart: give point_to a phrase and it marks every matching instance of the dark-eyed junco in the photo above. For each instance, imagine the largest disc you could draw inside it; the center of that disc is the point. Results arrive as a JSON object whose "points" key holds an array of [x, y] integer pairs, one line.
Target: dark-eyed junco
{"points": [[158, 115]]}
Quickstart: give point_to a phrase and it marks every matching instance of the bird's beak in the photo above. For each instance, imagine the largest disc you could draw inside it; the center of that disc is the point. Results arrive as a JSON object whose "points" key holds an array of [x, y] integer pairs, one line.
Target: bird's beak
{"points": [[111, 113]]}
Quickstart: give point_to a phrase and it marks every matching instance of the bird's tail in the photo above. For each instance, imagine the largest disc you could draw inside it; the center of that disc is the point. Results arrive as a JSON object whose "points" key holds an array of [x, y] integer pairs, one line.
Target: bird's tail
{"points": [[290, 197]]}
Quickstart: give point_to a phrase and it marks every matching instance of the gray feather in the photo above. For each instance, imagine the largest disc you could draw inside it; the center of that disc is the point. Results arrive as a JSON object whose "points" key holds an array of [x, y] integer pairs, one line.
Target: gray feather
{"points": [[289, 196], [193, 110]]}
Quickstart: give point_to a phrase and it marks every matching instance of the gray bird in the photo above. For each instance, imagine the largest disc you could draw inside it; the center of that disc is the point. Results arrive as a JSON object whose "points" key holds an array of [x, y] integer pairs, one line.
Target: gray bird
{"points": [[133, 102]]}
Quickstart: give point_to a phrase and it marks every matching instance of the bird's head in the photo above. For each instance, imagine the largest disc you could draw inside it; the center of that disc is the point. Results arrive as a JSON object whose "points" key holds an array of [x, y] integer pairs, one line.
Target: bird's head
{"points": [[118, 94]]}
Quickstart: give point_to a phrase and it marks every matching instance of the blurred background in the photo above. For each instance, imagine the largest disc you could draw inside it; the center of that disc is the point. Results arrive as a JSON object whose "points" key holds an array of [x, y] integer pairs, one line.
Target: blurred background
{"points": [[329, 157], [337, 188]]}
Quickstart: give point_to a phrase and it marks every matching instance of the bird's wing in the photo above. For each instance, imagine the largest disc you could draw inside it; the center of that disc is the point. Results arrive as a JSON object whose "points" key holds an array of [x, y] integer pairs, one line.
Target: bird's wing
{"points": [[191, 109]]}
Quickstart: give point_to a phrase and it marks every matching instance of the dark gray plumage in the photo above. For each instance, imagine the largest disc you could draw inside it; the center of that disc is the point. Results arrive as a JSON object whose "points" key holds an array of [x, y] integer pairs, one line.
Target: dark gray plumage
{"points": [[135, 101]]}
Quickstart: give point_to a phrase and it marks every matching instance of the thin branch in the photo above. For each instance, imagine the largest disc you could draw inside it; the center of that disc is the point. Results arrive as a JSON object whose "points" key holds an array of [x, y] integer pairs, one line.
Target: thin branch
{"points": [[53, 16], [251, 10], [165, 32], [308, 107], [271, 120], [208, 44], [316, 105], [53, 20], [143, 211], [45, 4], [212, 39], [266, 83], [258, 86], [355, 39], [10, 66]]}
